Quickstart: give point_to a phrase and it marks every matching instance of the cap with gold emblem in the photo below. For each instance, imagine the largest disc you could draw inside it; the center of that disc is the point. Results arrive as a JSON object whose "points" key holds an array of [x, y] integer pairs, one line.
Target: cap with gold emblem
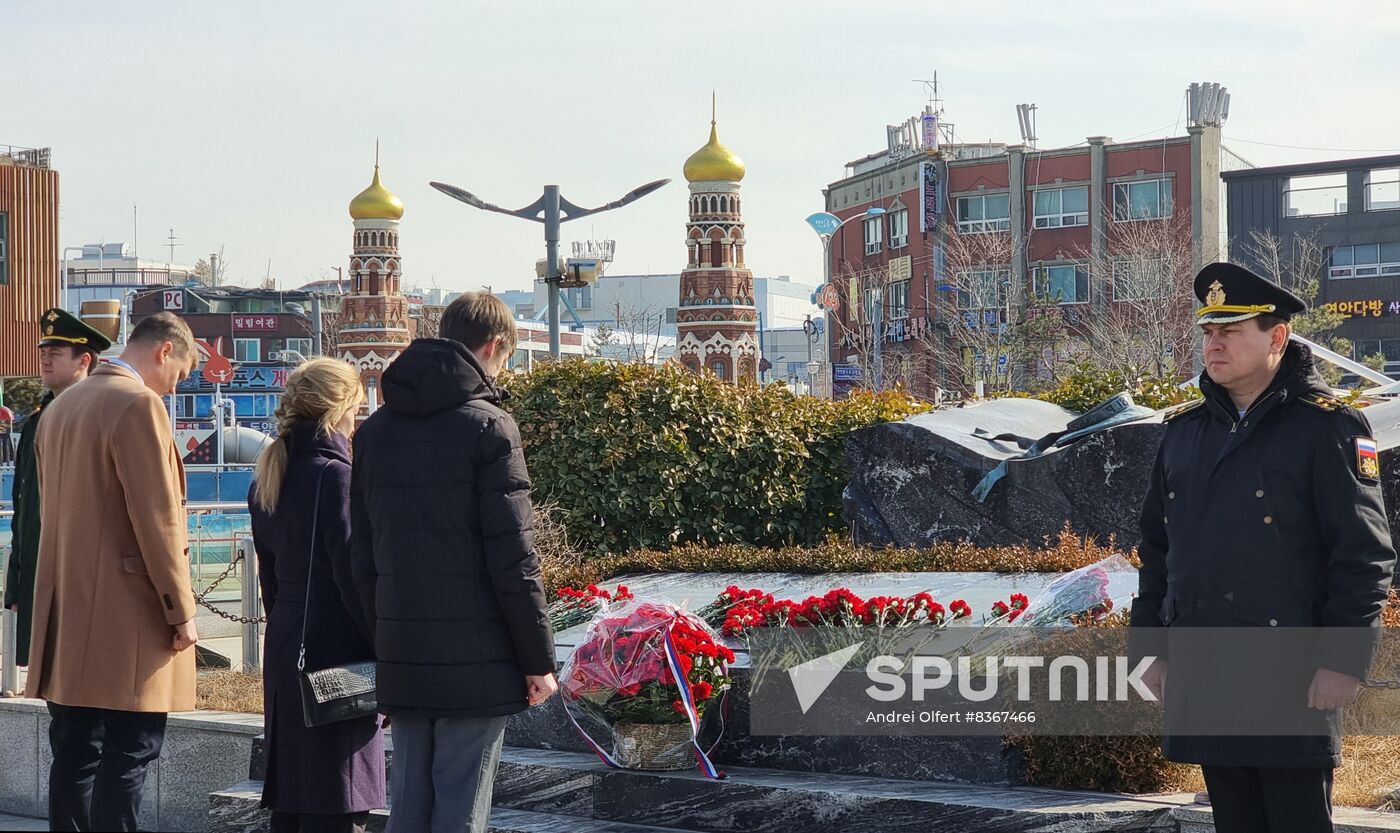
{"points": [[1230, 293], [59, 327]]}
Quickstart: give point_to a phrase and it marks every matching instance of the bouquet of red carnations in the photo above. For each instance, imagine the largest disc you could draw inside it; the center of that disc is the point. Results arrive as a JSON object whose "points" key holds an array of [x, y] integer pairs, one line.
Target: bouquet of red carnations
{"points": [[574, 607], [737, 611], [646, 673]]}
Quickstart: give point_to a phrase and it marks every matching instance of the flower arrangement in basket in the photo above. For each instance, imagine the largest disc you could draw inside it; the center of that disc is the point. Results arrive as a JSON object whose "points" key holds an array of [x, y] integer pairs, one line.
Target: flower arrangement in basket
{"points": [[648, 672]]}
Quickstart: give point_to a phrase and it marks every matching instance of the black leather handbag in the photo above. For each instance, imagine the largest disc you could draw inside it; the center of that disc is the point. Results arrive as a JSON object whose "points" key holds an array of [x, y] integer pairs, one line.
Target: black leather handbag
{"points": [[341, 692]]}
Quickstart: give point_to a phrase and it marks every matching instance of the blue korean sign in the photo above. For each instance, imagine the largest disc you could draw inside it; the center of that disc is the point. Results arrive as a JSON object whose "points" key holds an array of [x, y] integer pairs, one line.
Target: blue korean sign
{"points": [[848, 373], [824, 223]]}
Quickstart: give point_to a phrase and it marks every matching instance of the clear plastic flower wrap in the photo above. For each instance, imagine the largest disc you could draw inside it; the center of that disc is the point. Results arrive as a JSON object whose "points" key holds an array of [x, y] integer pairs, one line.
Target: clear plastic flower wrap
{"points": [[640, 682]]}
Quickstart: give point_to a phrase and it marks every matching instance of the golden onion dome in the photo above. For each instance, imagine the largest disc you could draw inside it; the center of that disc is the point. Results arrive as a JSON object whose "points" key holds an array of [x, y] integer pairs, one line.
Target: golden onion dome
{"points": [[376, 202], [714, 162]]}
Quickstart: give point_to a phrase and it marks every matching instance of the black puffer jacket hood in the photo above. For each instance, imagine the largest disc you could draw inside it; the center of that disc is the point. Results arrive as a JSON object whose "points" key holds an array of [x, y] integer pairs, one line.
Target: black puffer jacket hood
{"points": [[435, 375]]}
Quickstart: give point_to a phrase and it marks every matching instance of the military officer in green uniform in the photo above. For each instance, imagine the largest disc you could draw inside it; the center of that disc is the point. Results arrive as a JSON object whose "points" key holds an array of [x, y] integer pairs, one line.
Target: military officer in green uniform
{"points": [[1264, 510], [68, 351]]}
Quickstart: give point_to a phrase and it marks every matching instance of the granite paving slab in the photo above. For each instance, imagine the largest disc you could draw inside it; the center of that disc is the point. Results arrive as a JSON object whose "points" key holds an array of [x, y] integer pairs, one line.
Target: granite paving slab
{"points": [[519, 821], [767, 801], [1198, 819]]}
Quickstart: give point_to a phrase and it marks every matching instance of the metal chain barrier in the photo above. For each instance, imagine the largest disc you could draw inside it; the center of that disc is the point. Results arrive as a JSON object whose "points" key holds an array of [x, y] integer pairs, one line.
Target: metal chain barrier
{"points": [[201, 601]]}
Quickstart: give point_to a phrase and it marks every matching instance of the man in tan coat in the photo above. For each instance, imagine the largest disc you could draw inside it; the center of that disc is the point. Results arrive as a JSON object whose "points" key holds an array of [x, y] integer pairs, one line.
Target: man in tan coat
{"points": [[113, 608]]}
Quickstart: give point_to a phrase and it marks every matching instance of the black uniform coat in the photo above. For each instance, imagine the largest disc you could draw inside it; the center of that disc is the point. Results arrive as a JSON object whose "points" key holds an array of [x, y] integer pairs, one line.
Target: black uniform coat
{"points": [[1264, 520], [24, 538], [337, 768], [444, 544]]}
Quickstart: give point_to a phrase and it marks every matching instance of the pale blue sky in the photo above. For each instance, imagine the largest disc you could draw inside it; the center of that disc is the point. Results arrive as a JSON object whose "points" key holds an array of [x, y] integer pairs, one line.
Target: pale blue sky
{"points": [[251, 124]]}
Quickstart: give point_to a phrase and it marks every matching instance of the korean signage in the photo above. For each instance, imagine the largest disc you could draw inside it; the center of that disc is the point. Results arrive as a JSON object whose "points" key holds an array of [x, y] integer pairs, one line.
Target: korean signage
{"points": [[823, 223], [847, 373], [1364, 308], [905, 329], [245, 377], [255, 323], [901, 268], [931, 196]]}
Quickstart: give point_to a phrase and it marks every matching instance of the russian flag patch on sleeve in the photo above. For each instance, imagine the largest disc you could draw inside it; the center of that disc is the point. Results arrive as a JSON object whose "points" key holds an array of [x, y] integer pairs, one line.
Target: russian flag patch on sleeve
{"points": [[1368, 460]]}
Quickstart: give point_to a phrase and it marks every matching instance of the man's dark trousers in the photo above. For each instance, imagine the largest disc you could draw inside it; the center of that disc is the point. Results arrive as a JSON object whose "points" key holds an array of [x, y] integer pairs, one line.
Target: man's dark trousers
{"points": [[1255, 799], [100, 758]]}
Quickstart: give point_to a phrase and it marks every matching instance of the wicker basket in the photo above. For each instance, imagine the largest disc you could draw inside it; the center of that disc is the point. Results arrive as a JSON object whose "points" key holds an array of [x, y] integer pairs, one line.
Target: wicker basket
{"points": [[653, 746]]}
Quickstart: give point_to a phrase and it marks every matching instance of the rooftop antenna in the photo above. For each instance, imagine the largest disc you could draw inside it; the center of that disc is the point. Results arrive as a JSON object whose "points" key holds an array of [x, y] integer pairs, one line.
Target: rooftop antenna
{"points": [[944, 130], [171, 245], [1025, 117], [931, 87], [1209, 104]]}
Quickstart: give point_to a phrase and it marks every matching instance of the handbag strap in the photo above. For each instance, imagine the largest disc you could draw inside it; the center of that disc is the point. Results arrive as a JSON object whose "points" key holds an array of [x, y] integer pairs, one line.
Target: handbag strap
{"points": [[306, 608]]}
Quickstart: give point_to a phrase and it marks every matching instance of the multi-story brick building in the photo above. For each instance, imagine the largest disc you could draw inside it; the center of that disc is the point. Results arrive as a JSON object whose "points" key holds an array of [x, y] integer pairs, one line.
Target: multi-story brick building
{"points": [[959, 263]]}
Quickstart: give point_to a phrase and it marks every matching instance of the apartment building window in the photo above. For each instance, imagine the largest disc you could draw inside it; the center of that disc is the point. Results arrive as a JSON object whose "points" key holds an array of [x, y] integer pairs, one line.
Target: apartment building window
{"points": [[300, 345], [897, 299], [1057, 207], [899, 228], [873, 296], [983, 289], [984, 213], [247, 350], [1063, 284], [1147, 199], [1318, 195], [1383, 189], [4, 248], [872, 235], [1141, 279], [1369, 260], [1388, 348]]}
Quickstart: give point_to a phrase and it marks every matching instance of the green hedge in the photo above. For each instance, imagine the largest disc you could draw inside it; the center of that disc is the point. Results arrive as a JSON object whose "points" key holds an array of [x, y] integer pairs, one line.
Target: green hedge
{"points": [[1087, 386], [641, 457]]}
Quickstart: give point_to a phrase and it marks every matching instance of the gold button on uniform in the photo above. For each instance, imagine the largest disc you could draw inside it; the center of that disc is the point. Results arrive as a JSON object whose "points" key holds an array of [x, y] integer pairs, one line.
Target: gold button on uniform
{"points": [[1268, 519], [1259, 493]]}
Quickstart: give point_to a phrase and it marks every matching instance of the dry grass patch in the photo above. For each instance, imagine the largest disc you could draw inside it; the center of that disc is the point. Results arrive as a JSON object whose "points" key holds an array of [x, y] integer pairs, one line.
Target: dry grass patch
{"points": [[229, 691]]}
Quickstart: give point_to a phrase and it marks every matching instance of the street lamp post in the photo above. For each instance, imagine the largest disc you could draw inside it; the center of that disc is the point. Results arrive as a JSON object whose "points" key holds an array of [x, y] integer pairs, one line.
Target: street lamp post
{"points": [[826, 226], [551, 210]]}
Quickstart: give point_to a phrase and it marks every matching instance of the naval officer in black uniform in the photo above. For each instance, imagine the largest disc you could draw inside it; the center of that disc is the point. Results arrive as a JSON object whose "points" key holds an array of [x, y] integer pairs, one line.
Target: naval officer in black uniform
{"points": [[1264, 509]]}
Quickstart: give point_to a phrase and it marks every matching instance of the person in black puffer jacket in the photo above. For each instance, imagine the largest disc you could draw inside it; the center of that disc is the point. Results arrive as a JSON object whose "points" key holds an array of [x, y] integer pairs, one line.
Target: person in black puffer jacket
{"points": [[444, 558]]}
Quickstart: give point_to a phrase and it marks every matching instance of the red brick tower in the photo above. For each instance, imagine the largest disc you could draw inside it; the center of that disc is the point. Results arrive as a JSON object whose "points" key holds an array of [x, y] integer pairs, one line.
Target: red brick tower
{"points": [[717, 319], [374, 316]]}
